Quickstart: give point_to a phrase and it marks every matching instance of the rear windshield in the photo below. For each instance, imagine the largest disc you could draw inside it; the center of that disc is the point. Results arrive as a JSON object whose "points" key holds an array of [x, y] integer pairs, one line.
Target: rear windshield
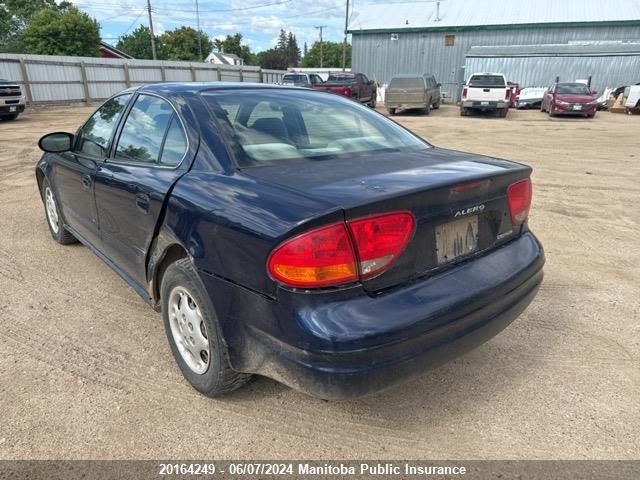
{"points": [[413, 82], [487, 81], [267, 126], [295, 78], [577, 89], [342, 78]]}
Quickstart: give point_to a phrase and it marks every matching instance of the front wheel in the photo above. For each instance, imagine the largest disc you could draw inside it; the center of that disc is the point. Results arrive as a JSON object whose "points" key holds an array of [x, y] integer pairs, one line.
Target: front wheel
{"points": [[373, 101], [54, 217], [9, 117], [193, 331]]}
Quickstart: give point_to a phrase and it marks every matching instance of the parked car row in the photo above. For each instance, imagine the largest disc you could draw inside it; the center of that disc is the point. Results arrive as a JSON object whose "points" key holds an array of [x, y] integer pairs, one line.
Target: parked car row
{"points": [[355, 86]]}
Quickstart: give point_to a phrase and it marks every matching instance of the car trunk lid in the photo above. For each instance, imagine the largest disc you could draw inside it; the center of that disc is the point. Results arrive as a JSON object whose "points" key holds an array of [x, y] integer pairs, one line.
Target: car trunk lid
{"points": [[459, 202]]}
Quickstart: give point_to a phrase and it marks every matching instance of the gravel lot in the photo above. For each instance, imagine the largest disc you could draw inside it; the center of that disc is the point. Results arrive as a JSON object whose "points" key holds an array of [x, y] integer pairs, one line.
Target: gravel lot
{"points": [[86, 371]]}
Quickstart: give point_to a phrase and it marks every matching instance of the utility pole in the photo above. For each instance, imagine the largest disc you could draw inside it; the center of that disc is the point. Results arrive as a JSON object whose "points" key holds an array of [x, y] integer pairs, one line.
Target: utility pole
{"points": [[199, 34], [320, 27], [153, 39], [344, 43]]}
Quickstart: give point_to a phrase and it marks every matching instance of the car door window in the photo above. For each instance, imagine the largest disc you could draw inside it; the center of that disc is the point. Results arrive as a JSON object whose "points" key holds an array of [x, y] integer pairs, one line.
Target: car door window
{"points": [[144, 130], [95, 135], [175, 144]]}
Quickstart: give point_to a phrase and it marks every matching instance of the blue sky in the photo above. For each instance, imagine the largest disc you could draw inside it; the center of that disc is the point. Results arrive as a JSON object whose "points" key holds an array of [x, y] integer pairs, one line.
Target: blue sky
{"points": [[259, 21]]}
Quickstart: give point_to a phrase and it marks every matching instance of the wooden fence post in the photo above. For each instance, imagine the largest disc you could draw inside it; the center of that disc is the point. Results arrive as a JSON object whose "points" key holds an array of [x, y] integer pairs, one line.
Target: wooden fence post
{"points": [[219, 73], [163, 73], [193, 73], [25, 81], [241, 75]]}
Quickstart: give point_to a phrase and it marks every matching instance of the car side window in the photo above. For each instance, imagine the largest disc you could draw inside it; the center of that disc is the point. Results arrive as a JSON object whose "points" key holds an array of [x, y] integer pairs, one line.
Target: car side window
{"points": [[365, 80], [175, 144], [144, 130], [94, 136]]}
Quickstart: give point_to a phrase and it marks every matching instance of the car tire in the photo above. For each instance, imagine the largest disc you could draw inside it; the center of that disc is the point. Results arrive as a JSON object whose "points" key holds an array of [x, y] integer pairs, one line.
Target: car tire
{"points": [[503, 112], [427, 109], [53, 215], [392, 111], [194, 333], [463, 112], [436, 105], [373, 101], [9, 117]]}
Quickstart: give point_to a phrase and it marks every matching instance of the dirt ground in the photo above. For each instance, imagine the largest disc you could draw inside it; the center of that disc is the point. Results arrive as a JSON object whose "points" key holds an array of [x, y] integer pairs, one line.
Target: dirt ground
{"points": [[86, 371]]}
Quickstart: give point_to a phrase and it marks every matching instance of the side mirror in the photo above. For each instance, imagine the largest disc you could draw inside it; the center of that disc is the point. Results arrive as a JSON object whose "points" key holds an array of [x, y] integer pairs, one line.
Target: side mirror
{"points": [[56, 142]]}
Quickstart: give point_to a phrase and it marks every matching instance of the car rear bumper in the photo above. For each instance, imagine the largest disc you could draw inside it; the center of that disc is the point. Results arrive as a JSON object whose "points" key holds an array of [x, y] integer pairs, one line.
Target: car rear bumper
{"points": [[489, 105], [363, 344], [405, 106]]}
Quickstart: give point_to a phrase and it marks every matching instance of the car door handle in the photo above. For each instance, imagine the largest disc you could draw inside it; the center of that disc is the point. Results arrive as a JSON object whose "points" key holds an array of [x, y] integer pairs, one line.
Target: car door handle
{"points": [[86, 181], [142, 202]]}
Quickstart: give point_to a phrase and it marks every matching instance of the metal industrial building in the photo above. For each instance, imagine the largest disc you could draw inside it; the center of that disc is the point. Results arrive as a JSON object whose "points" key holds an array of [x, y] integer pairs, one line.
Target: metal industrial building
{"points": [[605, 64], [436, 36]]}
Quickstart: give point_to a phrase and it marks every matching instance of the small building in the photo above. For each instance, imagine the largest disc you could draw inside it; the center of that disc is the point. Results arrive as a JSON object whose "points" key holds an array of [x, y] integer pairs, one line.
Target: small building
{"points": [[221, 58], [109, 51], [435, 37]]}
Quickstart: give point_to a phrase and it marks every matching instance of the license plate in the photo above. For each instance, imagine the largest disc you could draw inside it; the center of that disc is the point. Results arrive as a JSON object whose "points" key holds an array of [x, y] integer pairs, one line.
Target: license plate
{"points": [[484, 103], [12, 109], [456, 239], [577, 107]]}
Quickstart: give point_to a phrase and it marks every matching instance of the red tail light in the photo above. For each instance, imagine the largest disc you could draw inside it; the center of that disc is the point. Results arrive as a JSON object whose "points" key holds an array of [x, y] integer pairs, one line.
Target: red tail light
{"points": [[380, 240], [346, 91], [342, 253], [464, 92], [519, 198]]}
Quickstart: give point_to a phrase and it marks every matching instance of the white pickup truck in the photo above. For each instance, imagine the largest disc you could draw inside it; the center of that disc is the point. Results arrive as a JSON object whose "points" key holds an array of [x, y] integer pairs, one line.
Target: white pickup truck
{"points": [[485, 92], [12, 101]]}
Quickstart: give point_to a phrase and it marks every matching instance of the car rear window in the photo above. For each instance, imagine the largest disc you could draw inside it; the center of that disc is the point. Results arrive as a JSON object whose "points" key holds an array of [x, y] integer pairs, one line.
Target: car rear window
{"points": [[342, 78], [267, 126], [487, 81], [295, 78], [413, 82]]}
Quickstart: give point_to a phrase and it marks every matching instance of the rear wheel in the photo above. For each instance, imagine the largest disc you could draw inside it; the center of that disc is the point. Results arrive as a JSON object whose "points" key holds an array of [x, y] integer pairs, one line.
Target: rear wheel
{"points": [[427, 109], [503, 112], [392, 111], [373, 101], [193, 331], [54, 217], [464, 112], [436, 105]]}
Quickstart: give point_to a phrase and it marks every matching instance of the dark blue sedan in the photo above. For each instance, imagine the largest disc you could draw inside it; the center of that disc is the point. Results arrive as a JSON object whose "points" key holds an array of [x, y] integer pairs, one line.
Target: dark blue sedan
{"points": [[294, 234]]}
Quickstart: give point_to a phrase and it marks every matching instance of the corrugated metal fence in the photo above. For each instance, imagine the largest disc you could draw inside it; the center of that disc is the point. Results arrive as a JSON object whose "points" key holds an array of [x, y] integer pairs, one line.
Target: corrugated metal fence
{"points": [[55, 79]]}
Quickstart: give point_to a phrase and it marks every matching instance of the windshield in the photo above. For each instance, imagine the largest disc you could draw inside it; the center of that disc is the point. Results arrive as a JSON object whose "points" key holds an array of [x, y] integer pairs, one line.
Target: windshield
{"points": [[487, 81], [342, 78], [267, 126], [410, 82], [295, 78], [574, 89]]}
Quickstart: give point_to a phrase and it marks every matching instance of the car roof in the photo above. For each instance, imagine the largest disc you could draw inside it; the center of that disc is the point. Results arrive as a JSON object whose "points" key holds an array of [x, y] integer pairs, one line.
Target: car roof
{"points": [[196, 87]]}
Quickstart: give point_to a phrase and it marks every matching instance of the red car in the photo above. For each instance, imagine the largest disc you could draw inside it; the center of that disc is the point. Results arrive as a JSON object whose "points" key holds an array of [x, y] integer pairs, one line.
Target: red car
{"points": [[570, 99]]}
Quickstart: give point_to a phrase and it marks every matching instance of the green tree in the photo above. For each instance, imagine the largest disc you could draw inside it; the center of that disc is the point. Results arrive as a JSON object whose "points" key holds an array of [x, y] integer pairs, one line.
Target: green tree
{"points": [[331, 55], [138, 44], [182, 44], [292, 51], [273, 59], [15, 14], [233, 44], [62, 32]]}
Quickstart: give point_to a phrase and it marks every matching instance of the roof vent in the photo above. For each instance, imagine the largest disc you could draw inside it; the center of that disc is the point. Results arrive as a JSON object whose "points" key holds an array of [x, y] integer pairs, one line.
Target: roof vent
{"points": [[394, 36]]}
